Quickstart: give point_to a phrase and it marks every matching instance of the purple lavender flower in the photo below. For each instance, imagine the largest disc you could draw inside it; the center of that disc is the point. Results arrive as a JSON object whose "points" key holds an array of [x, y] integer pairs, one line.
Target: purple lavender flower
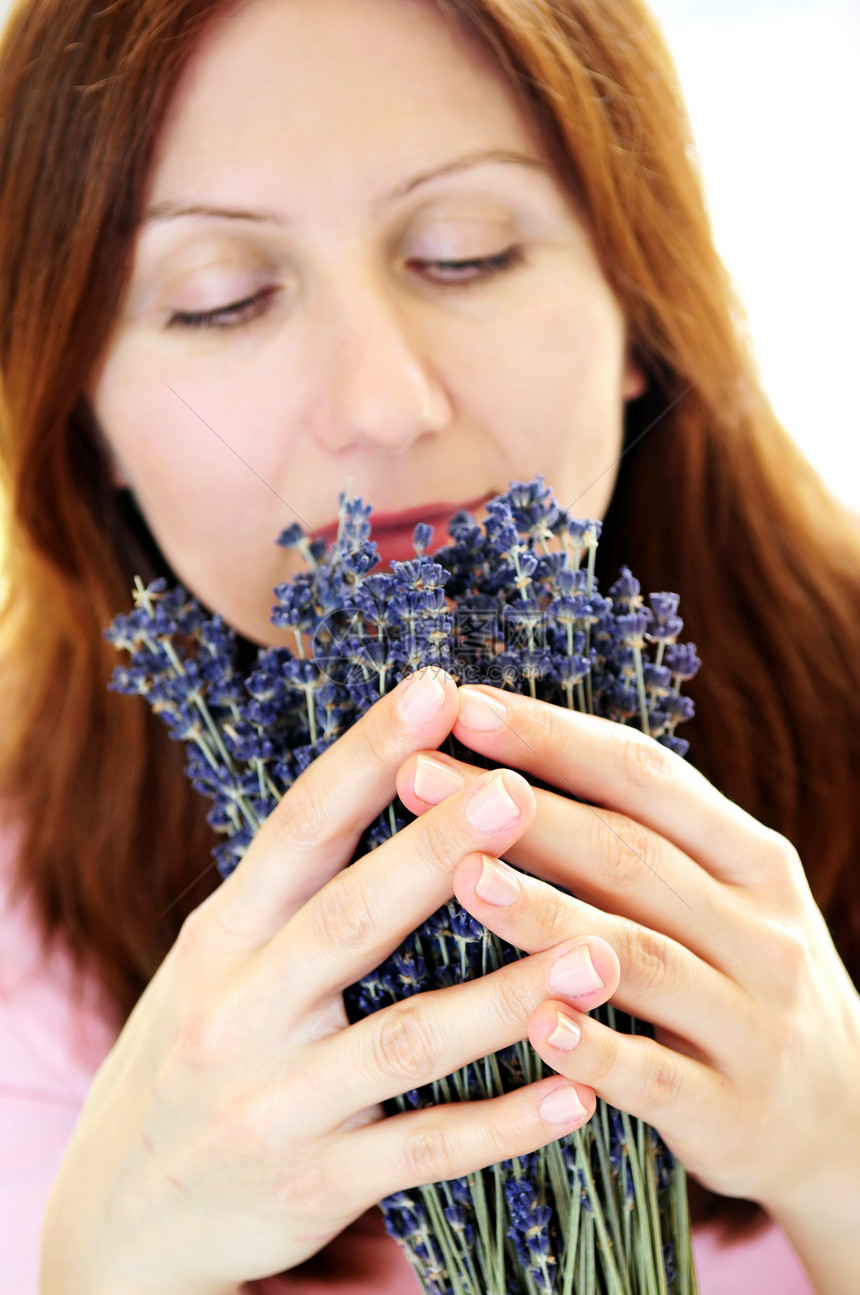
{"points": [[681, 660], [501, 605]]}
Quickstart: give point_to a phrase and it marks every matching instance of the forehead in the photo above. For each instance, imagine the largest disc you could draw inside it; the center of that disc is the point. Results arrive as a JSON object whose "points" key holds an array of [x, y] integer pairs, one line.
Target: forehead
{"points": [[331, 95]]}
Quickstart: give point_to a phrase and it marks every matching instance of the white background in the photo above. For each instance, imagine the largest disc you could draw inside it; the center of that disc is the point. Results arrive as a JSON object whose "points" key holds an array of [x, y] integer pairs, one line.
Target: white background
{"points": [[771, 86]]}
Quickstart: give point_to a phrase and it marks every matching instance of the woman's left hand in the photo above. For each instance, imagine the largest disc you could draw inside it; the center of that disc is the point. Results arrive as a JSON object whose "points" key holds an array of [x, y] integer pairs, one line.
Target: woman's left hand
{"points": [[751, 1079]]}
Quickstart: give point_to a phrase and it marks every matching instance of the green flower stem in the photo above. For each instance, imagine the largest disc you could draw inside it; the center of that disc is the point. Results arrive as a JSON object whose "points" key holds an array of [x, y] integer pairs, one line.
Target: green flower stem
{"points": [[640, 686], [493, 1279], [592, 559], [525, 1053], [416, 1264], [573, 551], [647, 1276], [259, 766], [500, 1227], [649, 1161], [571, 1240], [441, 1234], [459, 1240], [308, 690], [611, 1272], [684, 1265], [428, 1195], [601, 1137], [627, 1208], [558, 1178], [203, 710], [203, 745], [587, 1282], [304, 547]]}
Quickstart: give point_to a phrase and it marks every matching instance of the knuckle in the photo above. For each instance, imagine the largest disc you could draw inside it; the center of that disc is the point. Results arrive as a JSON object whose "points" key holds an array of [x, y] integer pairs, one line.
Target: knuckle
{"points": [[645, 762], [659, 1082], [402, 1044], [781, 848], [237, 1124], [783, 856], [551, 729], [382, 741], [427, 1152], [787, 953], [305, 1190], [342, 916], [192, 938], [648, 960], [197, 1044], [301, 817], [303, 1184], [628, 852], [557, 917], [189, 935], [605, 1061], [434, 841], [518, 989]]}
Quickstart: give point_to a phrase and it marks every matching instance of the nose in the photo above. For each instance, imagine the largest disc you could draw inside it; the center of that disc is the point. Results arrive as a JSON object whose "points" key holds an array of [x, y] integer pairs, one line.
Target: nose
{"points": [[381, 392]]}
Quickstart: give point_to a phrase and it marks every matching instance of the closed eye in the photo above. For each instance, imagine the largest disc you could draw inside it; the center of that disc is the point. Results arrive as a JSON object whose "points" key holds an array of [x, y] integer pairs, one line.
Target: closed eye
{"points": [[486, 266], [241, 312], [226, 316]]}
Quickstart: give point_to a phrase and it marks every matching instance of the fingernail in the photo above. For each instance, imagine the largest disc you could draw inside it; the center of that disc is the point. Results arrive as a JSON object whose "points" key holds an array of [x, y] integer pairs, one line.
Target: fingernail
{"points": [[491, 808], [562, 1106], [423, 698], [575, 973], [497, 884], [434, 781], [566, 1034], [479, 712]]}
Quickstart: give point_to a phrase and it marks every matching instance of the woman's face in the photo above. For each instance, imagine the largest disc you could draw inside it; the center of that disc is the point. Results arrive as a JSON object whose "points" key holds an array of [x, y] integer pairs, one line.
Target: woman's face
{"points": [[305, 180]]}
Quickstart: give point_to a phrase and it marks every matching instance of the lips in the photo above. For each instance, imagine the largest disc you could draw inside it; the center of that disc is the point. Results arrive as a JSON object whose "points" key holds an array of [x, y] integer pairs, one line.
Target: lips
{"points": [[389, 529]]}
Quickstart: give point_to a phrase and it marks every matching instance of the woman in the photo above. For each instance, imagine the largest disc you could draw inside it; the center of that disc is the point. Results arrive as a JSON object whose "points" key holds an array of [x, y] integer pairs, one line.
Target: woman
{"points": [[246, 252]]}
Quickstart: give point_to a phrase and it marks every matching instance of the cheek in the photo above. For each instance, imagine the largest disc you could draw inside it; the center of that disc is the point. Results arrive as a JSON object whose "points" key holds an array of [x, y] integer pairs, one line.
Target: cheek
{"points": [[173, 420], [202, 488], [548, 369], [572, 334], [189, 455]]}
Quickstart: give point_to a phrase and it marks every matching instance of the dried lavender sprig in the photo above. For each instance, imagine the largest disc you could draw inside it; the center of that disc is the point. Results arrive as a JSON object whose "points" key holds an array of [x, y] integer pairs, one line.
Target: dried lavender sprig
{"points": [[497, 568], [518, 573]]}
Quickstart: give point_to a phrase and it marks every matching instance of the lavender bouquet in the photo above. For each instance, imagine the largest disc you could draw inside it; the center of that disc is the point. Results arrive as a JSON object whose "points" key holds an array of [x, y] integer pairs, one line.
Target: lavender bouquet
{"points": [[512, 602]]}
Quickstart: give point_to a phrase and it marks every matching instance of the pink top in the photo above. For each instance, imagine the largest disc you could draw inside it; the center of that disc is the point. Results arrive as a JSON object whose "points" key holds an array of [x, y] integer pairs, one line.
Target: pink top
{"points": [[50, 1047]]}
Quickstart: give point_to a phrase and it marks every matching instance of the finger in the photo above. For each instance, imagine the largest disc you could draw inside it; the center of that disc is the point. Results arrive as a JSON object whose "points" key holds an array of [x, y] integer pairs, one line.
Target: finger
{"points": [[687, 1101], [354, 922], [449, 1141], [427, 778], [313, 831], [430, 1035], [607, 859], [617, 767], [661, 980]]}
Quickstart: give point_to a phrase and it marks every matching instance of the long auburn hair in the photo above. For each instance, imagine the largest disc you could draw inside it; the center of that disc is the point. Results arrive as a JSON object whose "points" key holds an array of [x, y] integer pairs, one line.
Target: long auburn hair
{"points": [[713, 499]]}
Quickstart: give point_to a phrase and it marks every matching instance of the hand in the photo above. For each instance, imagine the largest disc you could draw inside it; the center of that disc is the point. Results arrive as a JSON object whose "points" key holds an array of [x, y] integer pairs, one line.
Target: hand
{"points": [[235, 1127], [751, 1080]]}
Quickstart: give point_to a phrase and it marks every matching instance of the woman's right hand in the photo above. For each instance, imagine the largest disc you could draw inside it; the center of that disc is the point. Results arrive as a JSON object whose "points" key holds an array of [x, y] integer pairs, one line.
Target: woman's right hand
{"points": [[235, 1127]]}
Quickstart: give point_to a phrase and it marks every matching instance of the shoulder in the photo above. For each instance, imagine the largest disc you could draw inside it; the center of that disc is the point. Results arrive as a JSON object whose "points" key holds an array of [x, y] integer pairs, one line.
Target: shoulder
{"points": [[54, 1028], [54, 1035], [763, 1262]]}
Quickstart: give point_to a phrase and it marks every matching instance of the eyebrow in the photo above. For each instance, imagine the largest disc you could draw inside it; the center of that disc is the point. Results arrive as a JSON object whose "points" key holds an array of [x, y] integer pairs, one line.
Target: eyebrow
{"points": [[171, 211]]}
